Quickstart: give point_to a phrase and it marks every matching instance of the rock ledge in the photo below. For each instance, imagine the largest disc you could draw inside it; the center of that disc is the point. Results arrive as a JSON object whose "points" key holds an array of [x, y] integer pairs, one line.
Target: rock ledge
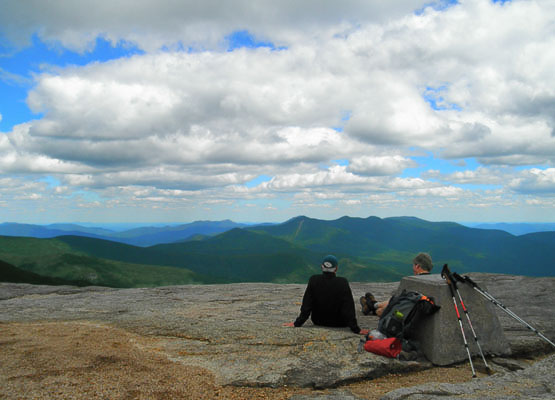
{"points": [[236, 331]]}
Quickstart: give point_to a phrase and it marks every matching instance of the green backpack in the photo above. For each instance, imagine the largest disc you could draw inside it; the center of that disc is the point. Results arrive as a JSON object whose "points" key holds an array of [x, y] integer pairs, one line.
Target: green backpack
{"points": [[403, 313]]}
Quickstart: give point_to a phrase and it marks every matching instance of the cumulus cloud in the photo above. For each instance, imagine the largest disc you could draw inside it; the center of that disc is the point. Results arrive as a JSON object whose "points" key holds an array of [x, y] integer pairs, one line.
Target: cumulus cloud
{"points": [[165, 22], [366, 83], [380, 165], [535, 181], [478, 176], [248, 105], [449, 191], [337, 175], [195, 112]]}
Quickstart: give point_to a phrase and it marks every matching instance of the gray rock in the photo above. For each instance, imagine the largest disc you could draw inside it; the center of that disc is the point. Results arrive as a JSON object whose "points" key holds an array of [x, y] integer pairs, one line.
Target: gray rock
{"points": [[534, 382], [333, 395], [440, 336], [509, 365], [236, 330]]}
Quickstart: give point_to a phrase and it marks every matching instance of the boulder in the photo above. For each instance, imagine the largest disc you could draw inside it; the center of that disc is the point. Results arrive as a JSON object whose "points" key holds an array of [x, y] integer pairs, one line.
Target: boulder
{"points": [[440, 336]]}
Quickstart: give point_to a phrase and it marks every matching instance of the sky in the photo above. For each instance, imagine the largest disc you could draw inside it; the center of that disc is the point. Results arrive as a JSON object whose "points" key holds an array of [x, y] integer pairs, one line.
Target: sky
{"points": [[260, 111]]}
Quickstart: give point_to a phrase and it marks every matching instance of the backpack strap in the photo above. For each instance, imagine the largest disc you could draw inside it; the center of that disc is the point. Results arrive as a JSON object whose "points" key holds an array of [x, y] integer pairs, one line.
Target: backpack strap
{"points": [[423, 307]]}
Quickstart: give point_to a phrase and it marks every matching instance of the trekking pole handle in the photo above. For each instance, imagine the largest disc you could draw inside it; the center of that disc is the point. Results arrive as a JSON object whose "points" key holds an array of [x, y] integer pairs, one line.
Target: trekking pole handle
{"points": [[458, 277], [446, 274]]}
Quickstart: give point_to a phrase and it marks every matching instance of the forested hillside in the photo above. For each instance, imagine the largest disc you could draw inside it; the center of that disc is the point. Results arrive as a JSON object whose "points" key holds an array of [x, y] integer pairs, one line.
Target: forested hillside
{"points": [[369, 249]]}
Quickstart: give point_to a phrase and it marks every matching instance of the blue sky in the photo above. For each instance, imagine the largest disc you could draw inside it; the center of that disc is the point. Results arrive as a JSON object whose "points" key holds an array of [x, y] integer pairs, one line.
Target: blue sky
{"points": [[181, 112]]}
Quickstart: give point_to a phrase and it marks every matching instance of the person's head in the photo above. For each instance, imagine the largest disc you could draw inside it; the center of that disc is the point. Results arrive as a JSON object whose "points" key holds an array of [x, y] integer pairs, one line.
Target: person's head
{"points": [[329, 264], [422, 264]]}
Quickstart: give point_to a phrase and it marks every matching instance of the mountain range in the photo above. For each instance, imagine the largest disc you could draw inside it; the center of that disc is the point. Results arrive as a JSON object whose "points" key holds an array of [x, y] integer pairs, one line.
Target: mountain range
{"points": [[143, 236], [516, 228], [369, 249]]}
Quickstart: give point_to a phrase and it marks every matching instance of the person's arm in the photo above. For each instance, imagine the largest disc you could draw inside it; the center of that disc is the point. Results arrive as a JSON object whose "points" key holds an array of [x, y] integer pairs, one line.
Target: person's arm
{"points": [[306, 307], [348, 310]]}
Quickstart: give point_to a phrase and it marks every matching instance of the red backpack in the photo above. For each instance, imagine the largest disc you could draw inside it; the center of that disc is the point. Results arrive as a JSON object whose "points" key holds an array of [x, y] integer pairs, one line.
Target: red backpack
{"points": [[389, 347]]}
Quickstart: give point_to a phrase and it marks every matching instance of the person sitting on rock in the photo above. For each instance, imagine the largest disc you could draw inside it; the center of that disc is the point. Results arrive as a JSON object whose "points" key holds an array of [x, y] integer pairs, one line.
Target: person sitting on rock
{"points": [[421, 265], [328, 300]]}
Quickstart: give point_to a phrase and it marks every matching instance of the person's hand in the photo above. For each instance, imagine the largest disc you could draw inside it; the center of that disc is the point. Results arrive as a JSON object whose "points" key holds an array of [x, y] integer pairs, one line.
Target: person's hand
{"points": [[289, 324], [363, 332]]}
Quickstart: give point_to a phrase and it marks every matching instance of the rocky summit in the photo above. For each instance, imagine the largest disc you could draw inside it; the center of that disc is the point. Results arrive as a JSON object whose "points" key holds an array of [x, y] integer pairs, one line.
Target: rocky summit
{"points": [[236, 331]]}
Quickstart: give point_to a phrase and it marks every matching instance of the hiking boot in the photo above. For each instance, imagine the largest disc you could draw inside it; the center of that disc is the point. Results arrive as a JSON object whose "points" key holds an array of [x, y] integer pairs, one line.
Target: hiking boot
{"points": [[365, 308], [368, 303], [370, 298]]}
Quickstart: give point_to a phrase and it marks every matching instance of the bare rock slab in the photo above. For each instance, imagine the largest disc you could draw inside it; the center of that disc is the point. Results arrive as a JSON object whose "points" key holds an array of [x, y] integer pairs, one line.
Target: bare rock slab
{"points": [[534, 382], [440, 335], [236, 330]]}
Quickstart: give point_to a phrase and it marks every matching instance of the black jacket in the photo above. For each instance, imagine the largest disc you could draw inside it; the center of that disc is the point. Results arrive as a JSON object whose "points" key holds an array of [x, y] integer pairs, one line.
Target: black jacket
{"points": [[329, 302]]}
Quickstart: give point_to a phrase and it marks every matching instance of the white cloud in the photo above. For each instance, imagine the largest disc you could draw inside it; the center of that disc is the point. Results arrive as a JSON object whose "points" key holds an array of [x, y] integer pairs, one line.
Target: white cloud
{"points": [[336, 175], [355, 81], [193, 113], [380, 165], [29, 196], [479, 176], [253, 106], [390, 110], [446, 191], [165, 22], [535, 180], [5, 145], [351, 202], [543, 202]]}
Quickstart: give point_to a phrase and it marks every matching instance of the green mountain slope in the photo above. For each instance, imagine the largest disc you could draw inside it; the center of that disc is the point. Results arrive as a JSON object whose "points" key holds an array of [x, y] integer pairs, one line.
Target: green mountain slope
{"points": [[238, 255], [234, 256], [56, 259], [369, 249], [9, 273], [393, 242]]}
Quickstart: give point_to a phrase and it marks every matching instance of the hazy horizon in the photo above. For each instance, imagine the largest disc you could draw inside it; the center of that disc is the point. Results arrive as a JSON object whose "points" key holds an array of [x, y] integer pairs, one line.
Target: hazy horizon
{"points": [[511, 227]]}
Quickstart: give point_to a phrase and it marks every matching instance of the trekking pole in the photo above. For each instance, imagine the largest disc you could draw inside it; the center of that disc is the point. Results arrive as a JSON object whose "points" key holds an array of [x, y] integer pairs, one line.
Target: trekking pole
{"points": [[488, 296], [454, 283], [445, 276]]}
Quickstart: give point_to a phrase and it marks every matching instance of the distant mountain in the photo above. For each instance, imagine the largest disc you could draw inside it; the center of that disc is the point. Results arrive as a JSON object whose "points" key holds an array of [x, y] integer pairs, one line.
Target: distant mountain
{"points": [[145, 236], [517, 228], [394, 241], [150, 236], [547, 238], [369, 249], [100, 232], [239, 255], [55, 259], [39, 231], [234, 256]]}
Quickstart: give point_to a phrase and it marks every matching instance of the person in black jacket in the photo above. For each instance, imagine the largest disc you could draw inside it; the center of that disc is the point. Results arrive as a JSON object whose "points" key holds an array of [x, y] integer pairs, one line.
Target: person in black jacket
{"points": [[328, 300]]}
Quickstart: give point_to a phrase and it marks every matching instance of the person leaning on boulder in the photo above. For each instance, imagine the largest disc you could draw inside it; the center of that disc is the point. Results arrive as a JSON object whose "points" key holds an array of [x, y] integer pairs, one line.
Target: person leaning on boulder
{"points": [[421, 265], [328, 300]]}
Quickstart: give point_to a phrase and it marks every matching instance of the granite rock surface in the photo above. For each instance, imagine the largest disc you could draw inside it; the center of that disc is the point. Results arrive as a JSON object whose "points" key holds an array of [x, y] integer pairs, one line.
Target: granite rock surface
{"points": [[237, 332]]}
